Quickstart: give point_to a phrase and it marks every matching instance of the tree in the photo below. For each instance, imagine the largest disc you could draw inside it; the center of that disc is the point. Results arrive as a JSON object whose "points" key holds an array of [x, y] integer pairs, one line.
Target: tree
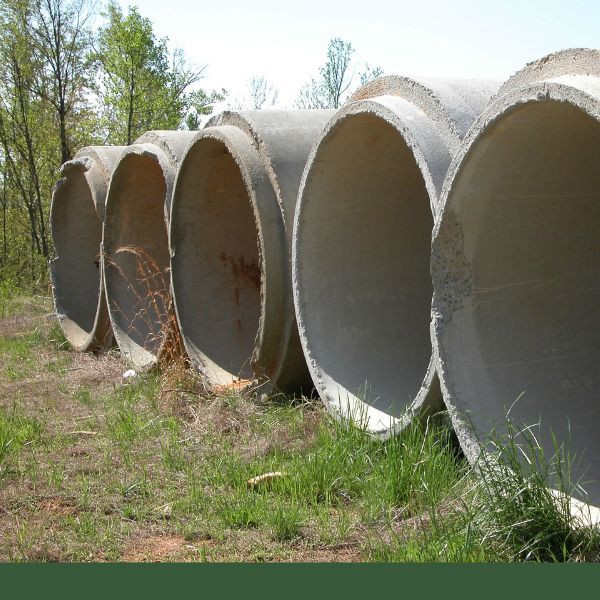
{"points": [[201, 104], [328, 90], [259, 93], [44, 117], [142, 85], [61, 40], [370, 73], [60, 90], [24, 125]]}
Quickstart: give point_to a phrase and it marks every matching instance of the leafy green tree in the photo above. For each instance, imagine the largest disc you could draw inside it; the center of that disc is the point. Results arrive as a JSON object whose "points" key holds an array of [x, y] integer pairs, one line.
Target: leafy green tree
{"points": [[61, 39], [370, 73], [335, 77], [44, 117], [23, 121], [63, 88], [142, 85]]}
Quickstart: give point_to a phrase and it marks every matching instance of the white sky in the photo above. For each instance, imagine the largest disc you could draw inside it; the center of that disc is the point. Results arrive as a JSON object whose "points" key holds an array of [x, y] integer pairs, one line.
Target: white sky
{"points": [[286, 41]]}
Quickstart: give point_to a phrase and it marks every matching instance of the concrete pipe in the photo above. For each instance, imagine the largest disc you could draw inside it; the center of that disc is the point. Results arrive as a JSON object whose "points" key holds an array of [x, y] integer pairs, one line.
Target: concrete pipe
{"points": [[516, 265], [231, 223], [136, 250], [362, 241], [76, 217]]}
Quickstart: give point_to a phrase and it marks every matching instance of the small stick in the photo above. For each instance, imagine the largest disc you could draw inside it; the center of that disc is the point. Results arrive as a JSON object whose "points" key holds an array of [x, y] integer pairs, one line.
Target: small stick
{"points": [[266, 478]]}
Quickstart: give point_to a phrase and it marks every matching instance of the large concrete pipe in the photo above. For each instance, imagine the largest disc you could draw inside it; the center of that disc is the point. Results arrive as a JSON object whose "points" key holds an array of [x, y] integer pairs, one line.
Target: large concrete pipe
{"points": [[136, 250], [231, 223], [516, 266], [362, 239], [76, 217]]}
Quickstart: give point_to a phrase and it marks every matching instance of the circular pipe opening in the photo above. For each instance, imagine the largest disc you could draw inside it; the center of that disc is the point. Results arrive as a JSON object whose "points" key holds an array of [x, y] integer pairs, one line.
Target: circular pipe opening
{"points": [[216, 263], [363, 288], [77, 233], [137, 257], [527, 336]]}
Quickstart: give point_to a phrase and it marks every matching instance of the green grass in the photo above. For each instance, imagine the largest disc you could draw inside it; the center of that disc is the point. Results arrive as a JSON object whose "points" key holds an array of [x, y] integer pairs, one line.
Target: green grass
{"points": [[16, 431], [15, 302], [515, 511], [20, 354], [95, 469], [504, 511], [448, 539], [345, 465], [127, 421]]}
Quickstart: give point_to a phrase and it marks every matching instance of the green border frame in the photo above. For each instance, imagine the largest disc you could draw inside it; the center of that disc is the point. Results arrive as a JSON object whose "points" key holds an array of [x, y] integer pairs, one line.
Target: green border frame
{"points": [[308, 581]]}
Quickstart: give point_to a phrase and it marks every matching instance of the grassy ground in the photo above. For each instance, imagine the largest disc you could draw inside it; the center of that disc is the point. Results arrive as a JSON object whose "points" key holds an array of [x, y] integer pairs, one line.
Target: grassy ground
{"points": [[96, 468]]}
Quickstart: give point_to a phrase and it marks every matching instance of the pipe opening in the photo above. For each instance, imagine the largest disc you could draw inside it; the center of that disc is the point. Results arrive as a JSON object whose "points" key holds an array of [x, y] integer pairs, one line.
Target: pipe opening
{"points": [[216, 266], [363, 266], [528, 196], [137, 263], [77, 233]]}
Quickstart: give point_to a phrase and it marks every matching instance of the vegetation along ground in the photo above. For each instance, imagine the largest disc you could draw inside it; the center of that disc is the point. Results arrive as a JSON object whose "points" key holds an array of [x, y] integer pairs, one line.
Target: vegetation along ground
{"points": [[154, 468]]}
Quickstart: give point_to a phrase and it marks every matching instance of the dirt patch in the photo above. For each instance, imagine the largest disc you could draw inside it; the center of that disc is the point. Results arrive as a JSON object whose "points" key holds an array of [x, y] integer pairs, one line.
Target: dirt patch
{"points": [[98, 371], [235, 386], [58, 506], [161, 548], [12, 326], [342, 553]]}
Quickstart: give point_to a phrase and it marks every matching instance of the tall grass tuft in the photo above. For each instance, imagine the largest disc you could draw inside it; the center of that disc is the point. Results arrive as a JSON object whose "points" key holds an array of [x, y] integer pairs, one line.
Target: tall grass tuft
{"points": [[515, 510], [16, 431]]}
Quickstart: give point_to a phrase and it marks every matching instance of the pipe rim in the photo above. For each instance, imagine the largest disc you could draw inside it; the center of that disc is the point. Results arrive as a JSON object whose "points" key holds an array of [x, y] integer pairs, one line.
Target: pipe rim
{"points": [[135, 354], [570, 62], [571, 90], [381, 426], [265, 361], [99, 336]]}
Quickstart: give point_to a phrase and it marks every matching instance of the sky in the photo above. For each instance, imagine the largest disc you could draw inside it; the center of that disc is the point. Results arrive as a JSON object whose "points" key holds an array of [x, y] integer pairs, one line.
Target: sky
{"points": [[286, 41]]}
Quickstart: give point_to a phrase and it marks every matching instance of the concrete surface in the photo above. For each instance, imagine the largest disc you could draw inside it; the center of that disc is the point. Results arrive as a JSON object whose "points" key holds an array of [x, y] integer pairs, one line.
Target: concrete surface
{"points": [[76, 217], [361, 251], [515, 265], [231, 222], [136, 252]]}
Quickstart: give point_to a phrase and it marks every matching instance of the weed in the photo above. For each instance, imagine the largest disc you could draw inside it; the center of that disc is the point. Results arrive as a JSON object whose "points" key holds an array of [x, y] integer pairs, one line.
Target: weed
{"points": [[16, 431], [172, 453], [126, 423], [84, 395], [55, 476], [243, 510], [436, 540], [286, 521], [152, 318], [515, 510]]}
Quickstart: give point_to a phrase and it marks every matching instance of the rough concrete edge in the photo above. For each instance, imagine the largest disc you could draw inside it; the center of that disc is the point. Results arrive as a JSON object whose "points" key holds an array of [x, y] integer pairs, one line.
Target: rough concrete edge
{"points": [[173, 145], [570, 61], [238, 144], [423, 400], [577, 95], [245, 121], [452, 103], [101, 337], [168, 168]]}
